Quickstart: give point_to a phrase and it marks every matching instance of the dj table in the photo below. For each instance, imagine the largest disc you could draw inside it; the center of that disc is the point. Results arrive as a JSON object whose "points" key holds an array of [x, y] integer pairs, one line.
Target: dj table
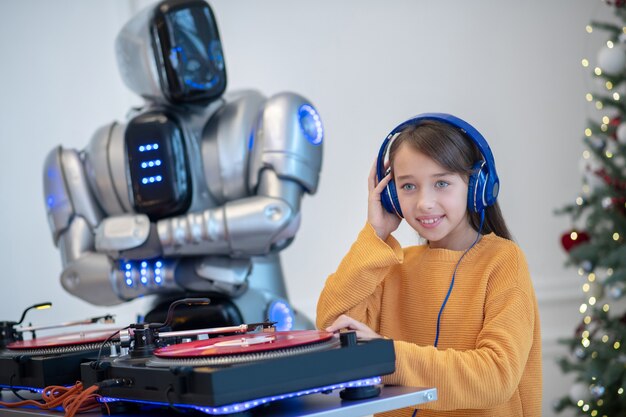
{"points": [[314, 405], [247, 370]]}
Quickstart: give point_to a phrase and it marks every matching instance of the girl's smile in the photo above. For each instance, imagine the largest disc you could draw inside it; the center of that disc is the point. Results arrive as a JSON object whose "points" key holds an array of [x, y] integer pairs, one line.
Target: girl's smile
{"points": [[430, 222]]}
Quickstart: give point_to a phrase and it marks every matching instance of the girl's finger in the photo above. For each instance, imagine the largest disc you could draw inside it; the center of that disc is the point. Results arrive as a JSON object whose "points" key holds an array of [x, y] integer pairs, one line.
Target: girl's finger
{"points": [[371, 180], [382, 184], [343, 322]]}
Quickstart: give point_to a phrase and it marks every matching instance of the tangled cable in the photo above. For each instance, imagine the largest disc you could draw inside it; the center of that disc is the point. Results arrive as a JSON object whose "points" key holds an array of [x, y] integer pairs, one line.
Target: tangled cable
{"points": [[73, 399]]}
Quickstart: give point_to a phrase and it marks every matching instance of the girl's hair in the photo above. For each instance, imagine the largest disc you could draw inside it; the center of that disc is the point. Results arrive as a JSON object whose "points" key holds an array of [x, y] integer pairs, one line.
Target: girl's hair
{"points": [[451, 149]]}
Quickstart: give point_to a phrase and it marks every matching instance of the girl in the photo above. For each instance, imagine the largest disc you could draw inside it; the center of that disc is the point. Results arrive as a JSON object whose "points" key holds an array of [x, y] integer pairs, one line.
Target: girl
{"points": [[460, 308]]}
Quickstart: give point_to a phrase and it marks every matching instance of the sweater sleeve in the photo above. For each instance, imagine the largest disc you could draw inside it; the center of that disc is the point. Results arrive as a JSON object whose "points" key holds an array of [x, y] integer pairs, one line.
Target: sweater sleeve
{"points": [[356, 287], [490, 373]]}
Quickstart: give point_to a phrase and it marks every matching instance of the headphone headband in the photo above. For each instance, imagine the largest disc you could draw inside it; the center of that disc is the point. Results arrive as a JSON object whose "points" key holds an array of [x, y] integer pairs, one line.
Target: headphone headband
{"points": [[483, 189]]}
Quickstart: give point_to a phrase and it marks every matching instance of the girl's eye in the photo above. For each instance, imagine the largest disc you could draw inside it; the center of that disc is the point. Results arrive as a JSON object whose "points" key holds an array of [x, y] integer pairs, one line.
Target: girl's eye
{"points": [[408, 187], [441, 184]]}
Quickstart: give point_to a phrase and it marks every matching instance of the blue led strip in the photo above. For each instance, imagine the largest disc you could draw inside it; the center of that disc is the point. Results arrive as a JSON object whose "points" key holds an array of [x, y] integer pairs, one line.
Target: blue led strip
{"points": [[16, 387], [152, 164], [142, 273], [34, 390], [311, 124], [153, 179], [149, 147], [244, 406], [281, 313]]}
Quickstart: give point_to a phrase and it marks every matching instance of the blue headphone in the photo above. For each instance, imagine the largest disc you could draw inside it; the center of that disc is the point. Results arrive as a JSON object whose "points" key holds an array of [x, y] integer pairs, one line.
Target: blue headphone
{"points": [[483, 184]]}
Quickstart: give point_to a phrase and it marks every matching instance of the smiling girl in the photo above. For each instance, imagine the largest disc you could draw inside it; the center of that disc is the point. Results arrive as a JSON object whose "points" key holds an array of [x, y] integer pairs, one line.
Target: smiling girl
{"points": [[460, 308]]}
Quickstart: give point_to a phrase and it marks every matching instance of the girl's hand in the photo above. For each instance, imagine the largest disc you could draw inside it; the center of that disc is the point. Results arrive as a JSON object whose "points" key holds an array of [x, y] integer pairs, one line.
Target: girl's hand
{"points": [[381, 220], [362, 331]]}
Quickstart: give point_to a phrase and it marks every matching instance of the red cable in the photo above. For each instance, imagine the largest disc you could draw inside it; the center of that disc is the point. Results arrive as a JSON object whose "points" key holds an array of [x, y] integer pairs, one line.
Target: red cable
{"points": [[73, 399]]}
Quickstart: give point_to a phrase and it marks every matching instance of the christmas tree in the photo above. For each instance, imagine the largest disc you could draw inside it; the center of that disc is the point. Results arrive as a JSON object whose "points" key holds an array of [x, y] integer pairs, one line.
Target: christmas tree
{"points": [[595, 244]]}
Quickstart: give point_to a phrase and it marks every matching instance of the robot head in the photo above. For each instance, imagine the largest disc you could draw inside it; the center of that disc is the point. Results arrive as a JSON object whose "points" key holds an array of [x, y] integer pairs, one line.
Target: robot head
{"points": [[171, 53]]}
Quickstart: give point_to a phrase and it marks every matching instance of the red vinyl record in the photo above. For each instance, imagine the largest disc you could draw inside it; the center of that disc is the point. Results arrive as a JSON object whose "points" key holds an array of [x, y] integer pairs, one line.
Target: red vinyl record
{"points": [[243, 344], [62, 340]]}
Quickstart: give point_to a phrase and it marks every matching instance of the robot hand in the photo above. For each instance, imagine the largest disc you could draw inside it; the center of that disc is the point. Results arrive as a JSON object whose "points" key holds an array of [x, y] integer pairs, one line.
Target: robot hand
{"points": [[130, 236]]}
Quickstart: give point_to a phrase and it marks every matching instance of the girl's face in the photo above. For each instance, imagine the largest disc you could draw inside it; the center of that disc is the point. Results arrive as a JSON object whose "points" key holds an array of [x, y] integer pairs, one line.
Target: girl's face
{"points": [[433, 200]]}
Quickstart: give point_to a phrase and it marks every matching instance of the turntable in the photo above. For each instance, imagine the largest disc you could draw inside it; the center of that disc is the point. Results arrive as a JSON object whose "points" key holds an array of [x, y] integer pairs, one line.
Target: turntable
{"points": [[220, 373], [36, 363]]}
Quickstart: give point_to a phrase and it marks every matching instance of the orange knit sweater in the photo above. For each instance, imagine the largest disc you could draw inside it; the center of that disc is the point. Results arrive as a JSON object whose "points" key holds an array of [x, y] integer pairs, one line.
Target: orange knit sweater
{"points": [[488, 359]]}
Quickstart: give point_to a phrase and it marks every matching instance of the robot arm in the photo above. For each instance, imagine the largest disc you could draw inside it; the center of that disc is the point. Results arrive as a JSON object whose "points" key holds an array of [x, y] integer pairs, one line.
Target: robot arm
{"points": [[90, 244], [246, 227], [73, 216], [285, 156]]}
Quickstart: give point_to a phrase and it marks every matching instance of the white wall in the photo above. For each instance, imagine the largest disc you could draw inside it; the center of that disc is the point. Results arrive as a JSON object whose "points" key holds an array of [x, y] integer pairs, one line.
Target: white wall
{"points": [[511, 68]]}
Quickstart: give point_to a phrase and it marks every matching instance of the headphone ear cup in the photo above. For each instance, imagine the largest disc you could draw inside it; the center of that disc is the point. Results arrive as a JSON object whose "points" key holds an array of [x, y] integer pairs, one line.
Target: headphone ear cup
{"points": [[389, 199], [385, 200], [476, 188]]}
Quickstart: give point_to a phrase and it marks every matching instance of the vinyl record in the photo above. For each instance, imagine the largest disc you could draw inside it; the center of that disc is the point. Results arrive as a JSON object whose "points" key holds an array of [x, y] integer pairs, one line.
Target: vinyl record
{"points": [[243, 344], [62, 340]]}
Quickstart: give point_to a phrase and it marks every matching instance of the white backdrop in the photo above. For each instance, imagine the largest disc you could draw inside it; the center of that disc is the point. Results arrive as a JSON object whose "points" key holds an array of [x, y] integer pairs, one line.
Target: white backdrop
{"points": [[510, 68]]}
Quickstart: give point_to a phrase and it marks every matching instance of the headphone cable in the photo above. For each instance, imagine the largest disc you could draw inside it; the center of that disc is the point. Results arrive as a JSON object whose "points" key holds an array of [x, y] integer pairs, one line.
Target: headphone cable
{"points": [[480, 228]]}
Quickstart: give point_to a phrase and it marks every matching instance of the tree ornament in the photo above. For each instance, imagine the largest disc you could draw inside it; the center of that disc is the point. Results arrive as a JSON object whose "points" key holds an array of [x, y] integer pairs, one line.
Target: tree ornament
{"points": [[620, 133], [580, 353], [607, 203], [579, 391], [620, 204], [597, 391], [597, 143], [616, 183], [573, 238], [587, 266], [612, 60], [616, 291], [616, 120]]}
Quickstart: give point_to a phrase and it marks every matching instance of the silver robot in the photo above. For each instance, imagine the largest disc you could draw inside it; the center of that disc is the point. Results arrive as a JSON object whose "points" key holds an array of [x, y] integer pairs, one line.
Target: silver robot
{"points": [[197, 193]]}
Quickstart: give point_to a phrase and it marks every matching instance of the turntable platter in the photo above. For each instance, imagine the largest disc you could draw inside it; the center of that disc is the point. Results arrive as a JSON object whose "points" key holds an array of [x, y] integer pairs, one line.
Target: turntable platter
{"points": [[243, 344], [62, 340]]}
